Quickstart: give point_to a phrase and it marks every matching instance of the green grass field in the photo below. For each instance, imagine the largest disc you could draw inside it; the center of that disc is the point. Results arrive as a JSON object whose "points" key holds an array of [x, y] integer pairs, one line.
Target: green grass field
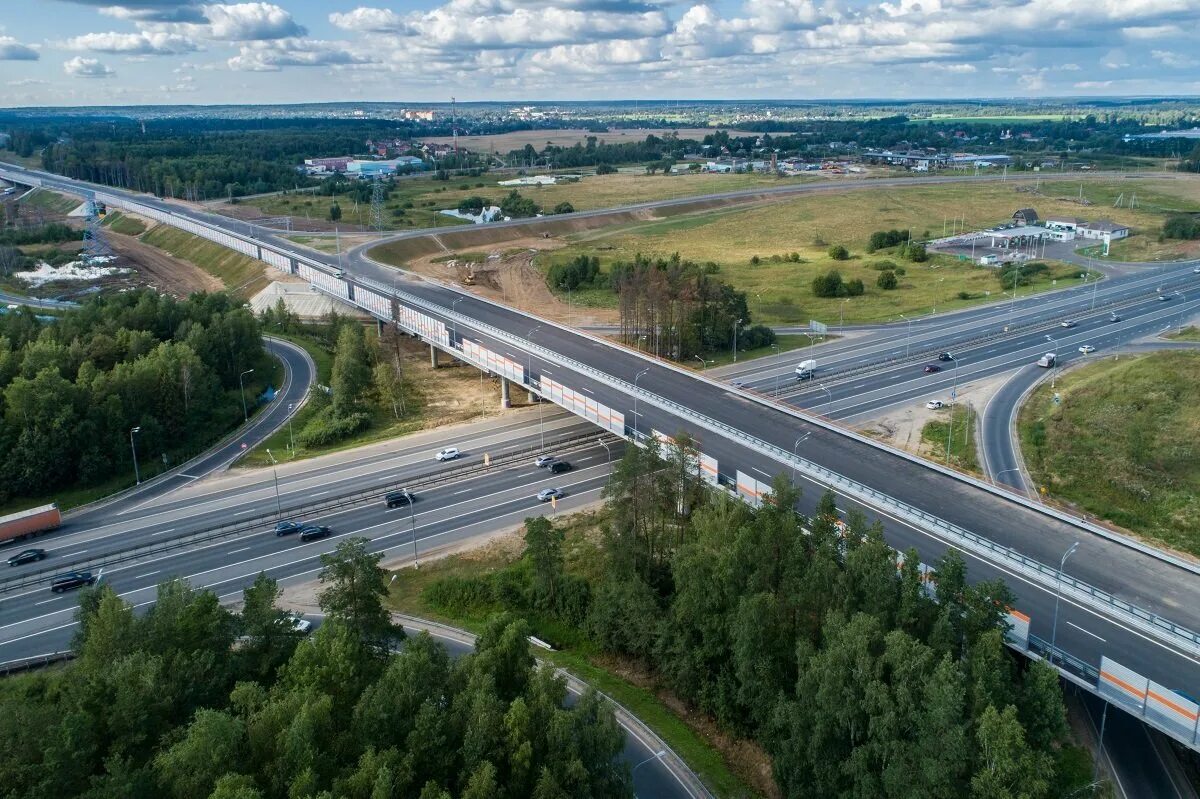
{"points": [[51, 201], [240, 273], [779, 291], [1122, 445], [1188, 333], [582, 552], [126, 225], [936, 434]]}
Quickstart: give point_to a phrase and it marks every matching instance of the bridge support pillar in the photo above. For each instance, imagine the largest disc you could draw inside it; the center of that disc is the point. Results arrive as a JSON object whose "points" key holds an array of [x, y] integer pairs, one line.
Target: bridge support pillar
{"points": [[433, 356], [533, 397], [379, 327], [505, 393]]}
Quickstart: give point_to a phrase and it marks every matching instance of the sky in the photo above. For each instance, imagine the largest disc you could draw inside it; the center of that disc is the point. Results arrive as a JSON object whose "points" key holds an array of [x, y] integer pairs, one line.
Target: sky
{"points": [[90, 52]]}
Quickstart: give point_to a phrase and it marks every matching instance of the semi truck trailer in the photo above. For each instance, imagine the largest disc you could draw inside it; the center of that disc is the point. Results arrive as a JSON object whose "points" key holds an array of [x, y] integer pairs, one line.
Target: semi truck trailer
{"points": [[29, 522]]}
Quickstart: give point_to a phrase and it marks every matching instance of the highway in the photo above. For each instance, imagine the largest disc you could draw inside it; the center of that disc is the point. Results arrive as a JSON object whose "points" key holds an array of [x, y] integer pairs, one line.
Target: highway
{"points": [[747, 433]]}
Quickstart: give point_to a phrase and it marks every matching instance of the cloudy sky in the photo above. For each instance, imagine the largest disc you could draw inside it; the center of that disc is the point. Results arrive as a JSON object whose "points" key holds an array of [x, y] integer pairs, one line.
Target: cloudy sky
{"points": [[75, 52]]}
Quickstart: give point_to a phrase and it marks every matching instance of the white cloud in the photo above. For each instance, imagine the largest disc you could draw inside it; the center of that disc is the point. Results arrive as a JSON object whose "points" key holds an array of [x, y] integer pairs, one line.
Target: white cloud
{"points": [[186, 11], [80, 67], [1174, 60], [12, 50], [274, 55], [141, 43], [244, 22], [374, 20]]}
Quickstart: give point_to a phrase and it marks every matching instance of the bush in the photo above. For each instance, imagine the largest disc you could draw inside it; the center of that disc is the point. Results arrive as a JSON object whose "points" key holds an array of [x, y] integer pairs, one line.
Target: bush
{"points": [[751, 338], [461, 596], [605, 169], [915, 252], [472, 205], [580, 271], [883, 266], [839, 253], [755, 260], [325, 428], [564, 208], [886, 238], [887, 280], [855, 288], [1181, 226], [828, 285]]}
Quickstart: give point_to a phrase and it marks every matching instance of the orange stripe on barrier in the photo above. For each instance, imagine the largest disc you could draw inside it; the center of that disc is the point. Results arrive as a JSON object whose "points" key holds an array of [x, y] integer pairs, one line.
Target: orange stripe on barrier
{"points": [[1104, 675], [1177, 708], [1019, 615]]}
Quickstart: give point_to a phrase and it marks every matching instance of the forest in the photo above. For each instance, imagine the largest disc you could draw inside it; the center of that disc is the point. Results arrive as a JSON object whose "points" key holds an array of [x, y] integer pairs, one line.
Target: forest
{"points": [[72, 387], [858, 677], [192, 701]]}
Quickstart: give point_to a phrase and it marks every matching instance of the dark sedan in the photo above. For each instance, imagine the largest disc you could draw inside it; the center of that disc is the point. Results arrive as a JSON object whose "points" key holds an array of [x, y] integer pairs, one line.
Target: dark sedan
{"points": [[65, 582], [932, 367], [287, 528], [314, 532], [28, 556]]}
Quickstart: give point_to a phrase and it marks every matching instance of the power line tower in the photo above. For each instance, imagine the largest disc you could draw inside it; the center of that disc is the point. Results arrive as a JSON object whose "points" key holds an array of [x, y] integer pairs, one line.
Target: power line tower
{"points": [[377, 204], [95, 243]]}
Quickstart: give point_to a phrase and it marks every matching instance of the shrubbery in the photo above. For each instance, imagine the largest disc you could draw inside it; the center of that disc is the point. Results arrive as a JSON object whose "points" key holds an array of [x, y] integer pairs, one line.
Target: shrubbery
{"points": [[887, 280], [579, 271], [1181, 226], [831, 284], [886, 238], [839, 253]]}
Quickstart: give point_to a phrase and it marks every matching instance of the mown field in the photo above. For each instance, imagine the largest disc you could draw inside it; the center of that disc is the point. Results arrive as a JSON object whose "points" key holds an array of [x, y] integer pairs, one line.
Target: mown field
{"points": [[421, 200], [1123, 444], [780, 291]]}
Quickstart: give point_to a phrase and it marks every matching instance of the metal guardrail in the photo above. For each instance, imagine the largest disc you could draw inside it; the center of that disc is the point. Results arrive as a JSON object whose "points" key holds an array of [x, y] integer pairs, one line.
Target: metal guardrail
{"points": [[37, 662], [350, 499], [1145, 620]]}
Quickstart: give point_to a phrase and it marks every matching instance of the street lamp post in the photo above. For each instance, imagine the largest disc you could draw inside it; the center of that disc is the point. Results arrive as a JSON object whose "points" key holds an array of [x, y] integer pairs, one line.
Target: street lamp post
{"points": [[953, 397], [736, 325], [242, 389], [607, 449], [278, 506], [795, 456], [529, 379], [291, 435], [829, 397], [1062, 564], [703, 363], [454, 321], [1054, 366], [907, 334], [136, 475], [636, 378], [412, 521]]}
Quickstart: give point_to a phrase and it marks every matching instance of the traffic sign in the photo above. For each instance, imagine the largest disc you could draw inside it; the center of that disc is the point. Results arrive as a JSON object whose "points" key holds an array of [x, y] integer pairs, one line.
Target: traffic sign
{"points": [[818, 327]]}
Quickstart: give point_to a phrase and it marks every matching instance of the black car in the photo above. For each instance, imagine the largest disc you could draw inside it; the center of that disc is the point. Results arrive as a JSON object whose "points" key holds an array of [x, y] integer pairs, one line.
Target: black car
{"points": [[560, 467], [65, 582], [28, 556], [287, 528], [945, 356], [398, 499], [315, 531], [932, 367]]}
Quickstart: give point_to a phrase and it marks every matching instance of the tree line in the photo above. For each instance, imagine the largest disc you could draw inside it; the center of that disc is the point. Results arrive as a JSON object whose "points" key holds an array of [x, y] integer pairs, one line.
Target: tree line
{"points": [[71, 388], [193, 701], [857, 675]]}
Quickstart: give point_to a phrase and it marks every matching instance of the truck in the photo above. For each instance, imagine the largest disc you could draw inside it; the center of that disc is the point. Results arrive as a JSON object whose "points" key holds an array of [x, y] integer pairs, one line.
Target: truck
{"points": [[806, 369], [29, 522], [1047, 360]]}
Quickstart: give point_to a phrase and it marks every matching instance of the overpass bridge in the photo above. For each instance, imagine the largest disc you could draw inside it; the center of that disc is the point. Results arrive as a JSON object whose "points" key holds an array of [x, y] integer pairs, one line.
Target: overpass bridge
{"points": [[1122, 621]]}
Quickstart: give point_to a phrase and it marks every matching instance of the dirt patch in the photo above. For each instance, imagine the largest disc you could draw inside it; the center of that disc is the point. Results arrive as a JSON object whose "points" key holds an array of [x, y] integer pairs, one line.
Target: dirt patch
{"points": [[507, 274], [168, 274]]}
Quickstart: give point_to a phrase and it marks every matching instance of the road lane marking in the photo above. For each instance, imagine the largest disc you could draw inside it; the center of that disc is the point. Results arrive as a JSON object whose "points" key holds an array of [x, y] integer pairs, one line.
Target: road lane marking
{"points": [[147, 574], [1089, 632], [160, 532], [43, 602], [235, 551]]}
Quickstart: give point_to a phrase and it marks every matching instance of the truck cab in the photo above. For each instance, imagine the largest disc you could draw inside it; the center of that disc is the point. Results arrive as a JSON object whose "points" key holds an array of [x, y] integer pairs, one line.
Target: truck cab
{"points": [[1047, 360]]}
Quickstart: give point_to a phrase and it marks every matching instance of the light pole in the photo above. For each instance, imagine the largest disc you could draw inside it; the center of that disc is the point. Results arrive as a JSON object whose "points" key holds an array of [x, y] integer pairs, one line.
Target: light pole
{"points": [[291, 435], [1053, 366], [607, 449], [529, 378], [1062, 564], [907, 334], [133, 448], [454, 321], [637, 377], [703, 363], [829, 397], [412, 521], [778, 377], [736, 325], [278, 507], [795, 456], [242, 389], [953, 397]]}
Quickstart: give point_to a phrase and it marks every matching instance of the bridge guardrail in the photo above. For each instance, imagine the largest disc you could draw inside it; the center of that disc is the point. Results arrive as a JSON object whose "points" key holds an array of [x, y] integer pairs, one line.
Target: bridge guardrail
{"points": [[427, 480]]}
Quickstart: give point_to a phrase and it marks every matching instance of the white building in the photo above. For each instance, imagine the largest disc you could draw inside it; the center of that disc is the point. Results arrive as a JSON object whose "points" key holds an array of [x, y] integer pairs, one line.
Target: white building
{"points": [[1102, 229]]}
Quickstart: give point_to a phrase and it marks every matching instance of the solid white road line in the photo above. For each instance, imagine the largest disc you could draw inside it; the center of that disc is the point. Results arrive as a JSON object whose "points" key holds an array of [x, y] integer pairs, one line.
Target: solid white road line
{"points": [[1089, 632]]}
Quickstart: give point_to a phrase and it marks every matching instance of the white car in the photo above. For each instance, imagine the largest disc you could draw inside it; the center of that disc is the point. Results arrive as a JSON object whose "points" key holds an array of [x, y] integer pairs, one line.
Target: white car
{"points": [[448, 454], [935, 405], [1086, 348], [296, 624], [1067, 323], [542, 461], [1196, 271]]}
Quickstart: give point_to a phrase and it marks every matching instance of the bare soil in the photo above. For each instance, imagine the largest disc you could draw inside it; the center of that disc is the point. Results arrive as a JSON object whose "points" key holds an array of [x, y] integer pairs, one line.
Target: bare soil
{"points": [[508, 275], [168, 274]]}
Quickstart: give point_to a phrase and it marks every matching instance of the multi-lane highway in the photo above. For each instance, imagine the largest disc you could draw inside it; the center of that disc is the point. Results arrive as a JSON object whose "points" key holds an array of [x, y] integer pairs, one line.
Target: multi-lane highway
{"points": [[920, 505]]}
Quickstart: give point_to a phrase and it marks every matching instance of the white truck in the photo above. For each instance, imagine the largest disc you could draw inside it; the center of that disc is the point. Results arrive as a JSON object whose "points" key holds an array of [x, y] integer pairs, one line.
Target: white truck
{"points": [[806, 369], [1047, 360]]}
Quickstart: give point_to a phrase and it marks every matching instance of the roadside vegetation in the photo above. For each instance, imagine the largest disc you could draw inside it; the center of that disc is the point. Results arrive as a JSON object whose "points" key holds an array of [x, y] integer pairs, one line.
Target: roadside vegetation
{"points": [[126, 225], [937, 434], [72, 389], [1185, 333], [369, 389], [241, 274], [800, 641], [191, 700], [1121, 444]]}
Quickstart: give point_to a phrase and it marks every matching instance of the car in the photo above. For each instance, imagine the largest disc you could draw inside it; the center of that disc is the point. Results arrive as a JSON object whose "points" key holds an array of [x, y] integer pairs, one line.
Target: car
{"points": [[1196, 270], [1086, 348], [1068, 323], [448, 454], [542, 461], [1164, 297], [401, 498], [65, 582], [297, 624], [547, 494], [28, 556], [945, 356], [1114, 318], [560, 467], [738, 383], [314, 532], [288, 527], [935, 405], [930, 368]]}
